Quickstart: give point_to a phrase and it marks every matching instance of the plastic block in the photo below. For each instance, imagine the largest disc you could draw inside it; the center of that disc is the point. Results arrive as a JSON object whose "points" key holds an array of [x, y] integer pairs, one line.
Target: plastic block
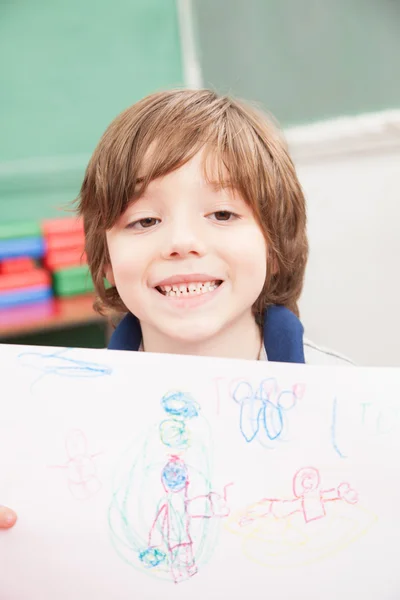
{"points": [[32, 247], [16, 281], [17, 265], [61, 226], [54, 261], [64, 241], [72, 281], [25, 296]]}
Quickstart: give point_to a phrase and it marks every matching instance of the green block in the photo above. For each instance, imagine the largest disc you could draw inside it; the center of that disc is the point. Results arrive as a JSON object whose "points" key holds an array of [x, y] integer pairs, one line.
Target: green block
{"points": [[23, 229], [72, 281]]}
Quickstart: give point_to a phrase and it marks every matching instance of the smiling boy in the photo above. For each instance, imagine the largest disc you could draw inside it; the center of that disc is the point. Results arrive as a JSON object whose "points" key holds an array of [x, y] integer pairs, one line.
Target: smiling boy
{"points": [[194, 214]]}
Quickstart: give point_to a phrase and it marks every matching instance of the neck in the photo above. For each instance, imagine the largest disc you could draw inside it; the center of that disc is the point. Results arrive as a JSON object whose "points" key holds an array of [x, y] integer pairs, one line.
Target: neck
{"points": [[241, 339]]}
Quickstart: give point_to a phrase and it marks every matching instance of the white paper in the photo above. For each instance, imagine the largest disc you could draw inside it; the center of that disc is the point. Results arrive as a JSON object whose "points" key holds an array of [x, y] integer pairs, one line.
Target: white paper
{"points": [[143, 476]]}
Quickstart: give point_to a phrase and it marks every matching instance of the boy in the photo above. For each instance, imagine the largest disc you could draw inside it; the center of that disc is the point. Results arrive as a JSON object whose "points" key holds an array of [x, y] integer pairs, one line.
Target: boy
{"points": [[194, 214]]}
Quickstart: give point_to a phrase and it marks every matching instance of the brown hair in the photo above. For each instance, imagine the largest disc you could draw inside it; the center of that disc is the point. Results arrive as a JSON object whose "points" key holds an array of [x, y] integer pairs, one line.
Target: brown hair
{"points": [[240, 138]]}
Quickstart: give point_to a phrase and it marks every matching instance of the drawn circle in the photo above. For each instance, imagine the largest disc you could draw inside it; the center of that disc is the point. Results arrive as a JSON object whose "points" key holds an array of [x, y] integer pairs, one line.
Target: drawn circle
{"points": [[305, 481], [242, 392], [180, 404], [152, 557], [174, 434], [174, 475]]}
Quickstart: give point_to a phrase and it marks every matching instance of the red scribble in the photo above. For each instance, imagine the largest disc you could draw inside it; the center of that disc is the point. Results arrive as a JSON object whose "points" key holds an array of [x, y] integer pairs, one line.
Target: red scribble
{"points": [[81, 469]]}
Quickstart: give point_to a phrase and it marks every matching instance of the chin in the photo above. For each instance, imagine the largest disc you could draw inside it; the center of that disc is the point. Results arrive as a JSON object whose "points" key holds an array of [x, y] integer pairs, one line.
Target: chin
{"points": [[193, 334]]}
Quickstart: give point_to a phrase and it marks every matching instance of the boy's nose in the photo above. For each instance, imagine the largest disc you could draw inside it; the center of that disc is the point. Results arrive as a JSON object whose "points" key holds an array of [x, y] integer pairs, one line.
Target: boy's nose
{"points": [[183, 240]]}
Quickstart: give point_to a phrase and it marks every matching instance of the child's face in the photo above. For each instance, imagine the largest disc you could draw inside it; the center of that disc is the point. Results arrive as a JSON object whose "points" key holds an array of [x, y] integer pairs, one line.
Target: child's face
{"points": [[188, 259]]}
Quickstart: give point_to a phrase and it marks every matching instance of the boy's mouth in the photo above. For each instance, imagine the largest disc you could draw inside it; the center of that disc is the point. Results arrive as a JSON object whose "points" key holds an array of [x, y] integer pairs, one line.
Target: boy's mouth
{"points": [[188, 289]]}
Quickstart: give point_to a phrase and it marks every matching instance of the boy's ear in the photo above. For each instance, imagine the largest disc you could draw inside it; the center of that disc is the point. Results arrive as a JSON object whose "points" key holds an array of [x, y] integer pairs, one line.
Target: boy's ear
{"points": [[109, 275]]}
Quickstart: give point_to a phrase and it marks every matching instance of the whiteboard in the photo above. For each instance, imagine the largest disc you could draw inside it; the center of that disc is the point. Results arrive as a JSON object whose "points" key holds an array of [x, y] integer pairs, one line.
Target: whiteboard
{"points": [[145, 475]]}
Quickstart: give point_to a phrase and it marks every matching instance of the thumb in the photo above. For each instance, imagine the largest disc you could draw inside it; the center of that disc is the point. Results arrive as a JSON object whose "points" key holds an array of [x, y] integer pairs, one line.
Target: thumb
{"points": [[7, 517]]}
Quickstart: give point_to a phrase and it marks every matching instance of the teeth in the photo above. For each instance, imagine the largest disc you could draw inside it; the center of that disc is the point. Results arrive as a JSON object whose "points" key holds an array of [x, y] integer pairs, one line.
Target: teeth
{"points": [[191, 289]]}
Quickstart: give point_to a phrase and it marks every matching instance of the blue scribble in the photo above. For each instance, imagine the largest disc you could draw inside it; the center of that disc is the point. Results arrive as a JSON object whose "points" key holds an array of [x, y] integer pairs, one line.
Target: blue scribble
{"points": [[174, 475], [262, 410], [333, 429], [180, 404], [57, 363], [152, 557], [174, 433]]}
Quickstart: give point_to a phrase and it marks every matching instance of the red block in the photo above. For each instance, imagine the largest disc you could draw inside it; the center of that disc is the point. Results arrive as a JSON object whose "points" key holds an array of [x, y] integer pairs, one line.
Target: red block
{"points": [[58, 259], [17, 265], [61, 226], [65, 241], [14, 281]]}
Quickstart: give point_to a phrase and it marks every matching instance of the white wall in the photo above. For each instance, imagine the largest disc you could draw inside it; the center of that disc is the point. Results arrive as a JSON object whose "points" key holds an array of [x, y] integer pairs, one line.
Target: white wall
{"points": [[350, 172]]}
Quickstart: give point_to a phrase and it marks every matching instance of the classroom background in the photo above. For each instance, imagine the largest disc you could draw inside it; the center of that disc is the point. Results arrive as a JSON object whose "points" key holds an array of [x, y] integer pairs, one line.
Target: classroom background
{"points": [[327, 69]]}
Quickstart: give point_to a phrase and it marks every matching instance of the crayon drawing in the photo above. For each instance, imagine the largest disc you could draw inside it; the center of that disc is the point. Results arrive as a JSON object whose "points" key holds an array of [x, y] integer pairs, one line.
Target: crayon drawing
{"points": [[59, 363], [80, 467], [314, 523], [263, 410], [164, 516]]}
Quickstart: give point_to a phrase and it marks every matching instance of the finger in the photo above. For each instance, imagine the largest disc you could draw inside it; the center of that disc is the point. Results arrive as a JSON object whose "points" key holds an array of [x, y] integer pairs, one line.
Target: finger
{"points": [[7, 517]]}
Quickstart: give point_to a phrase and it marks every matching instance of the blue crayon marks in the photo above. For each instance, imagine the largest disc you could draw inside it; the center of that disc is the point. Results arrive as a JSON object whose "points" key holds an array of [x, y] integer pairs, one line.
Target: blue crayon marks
{"points": [[263, 410], [174, 475], [58, 363], [152, 557], [180, 407], [180, 404]]}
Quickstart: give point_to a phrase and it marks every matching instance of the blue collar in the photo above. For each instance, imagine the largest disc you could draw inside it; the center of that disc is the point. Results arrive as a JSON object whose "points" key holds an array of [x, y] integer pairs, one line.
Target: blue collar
{"points": [[283, 335]]}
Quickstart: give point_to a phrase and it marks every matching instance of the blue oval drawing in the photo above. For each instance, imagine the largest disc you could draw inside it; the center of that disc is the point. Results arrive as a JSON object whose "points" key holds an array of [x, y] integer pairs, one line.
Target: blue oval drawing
{"points": [[180, 404]]}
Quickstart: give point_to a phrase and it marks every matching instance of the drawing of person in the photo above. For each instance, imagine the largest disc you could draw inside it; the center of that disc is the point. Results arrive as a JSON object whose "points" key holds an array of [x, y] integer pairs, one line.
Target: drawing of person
{"points": [[81, 469], [309, 499], [170, 535]]}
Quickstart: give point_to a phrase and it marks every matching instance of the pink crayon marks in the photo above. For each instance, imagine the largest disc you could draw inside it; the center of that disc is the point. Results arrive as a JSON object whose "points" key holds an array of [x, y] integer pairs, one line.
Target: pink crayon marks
{"points": [[309, 499], [307, 488], [80, 466]]}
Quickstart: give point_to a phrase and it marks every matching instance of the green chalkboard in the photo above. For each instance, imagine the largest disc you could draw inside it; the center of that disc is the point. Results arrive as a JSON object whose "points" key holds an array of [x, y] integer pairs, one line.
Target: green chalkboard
{"points": [[303, 60], [67, 69]]}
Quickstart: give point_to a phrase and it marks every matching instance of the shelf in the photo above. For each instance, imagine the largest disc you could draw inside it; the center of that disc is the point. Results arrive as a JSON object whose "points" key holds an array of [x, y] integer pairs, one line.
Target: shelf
{"points": [[58, 313]]}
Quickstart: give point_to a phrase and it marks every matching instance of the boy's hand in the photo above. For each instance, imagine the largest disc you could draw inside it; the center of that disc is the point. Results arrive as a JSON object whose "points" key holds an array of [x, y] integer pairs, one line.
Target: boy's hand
{"points": [[7, 517]]}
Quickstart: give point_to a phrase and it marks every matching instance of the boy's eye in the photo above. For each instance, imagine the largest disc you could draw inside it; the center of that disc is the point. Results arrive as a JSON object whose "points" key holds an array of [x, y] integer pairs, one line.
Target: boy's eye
{"points": [[144, 223], [223, 215]]}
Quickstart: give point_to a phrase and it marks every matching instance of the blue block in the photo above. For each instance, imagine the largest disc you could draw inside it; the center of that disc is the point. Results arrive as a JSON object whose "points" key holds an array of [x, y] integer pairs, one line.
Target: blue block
{"points": [[30, 246], [29, 295]]}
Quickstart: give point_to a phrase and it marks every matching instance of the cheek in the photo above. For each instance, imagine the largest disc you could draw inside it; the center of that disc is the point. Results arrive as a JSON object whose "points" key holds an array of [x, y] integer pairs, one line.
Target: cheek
{"points": [[124, 263], [251, 253]]}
